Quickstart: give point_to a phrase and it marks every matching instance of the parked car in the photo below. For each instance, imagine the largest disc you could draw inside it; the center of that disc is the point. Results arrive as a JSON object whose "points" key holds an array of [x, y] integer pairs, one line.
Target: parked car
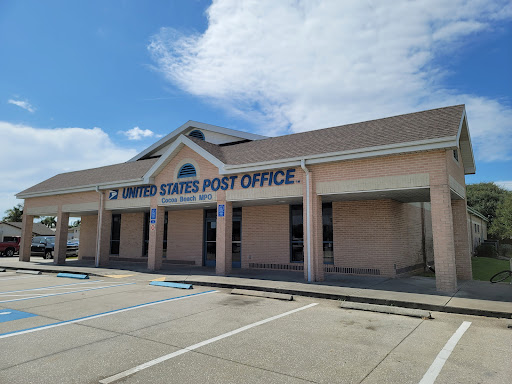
{"points": [[9, 248], [43, 246]]}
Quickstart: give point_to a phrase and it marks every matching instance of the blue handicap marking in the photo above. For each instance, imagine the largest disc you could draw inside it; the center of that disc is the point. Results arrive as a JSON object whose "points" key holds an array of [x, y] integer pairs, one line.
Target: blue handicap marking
{"points": [[12, 314], [221, 210]]}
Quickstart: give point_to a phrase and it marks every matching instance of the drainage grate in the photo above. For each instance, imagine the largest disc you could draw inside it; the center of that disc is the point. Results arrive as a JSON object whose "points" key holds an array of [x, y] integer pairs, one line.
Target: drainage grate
{"points": [[289, 267], [353, 271]]}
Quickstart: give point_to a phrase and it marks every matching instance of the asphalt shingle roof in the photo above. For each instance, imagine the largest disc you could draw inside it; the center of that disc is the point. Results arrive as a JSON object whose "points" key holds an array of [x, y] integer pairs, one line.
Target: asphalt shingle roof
{"points": [[412, 127], [38, 228], [94, 176], [432, 124]]}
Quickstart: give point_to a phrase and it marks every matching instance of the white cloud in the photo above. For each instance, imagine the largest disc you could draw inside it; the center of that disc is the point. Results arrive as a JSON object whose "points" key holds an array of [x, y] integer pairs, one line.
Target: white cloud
{"points": [[30, 155], [301, 65], [138, 134], [504, 184], [22, 104]]}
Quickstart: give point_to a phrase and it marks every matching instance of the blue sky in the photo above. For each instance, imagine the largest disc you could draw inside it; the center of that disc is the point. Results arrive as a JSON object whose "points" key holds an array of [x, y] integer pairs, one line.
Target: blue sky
{"points": [[85, 84]]}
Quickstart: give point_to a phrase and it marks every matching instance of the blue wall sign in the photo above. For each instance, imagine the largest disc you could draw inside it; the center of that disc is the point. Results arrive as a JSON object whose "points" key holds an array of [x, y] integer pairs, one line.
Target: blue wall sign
{"points": [[221, 209], [206, 186], [153, 216], [12, 314]]}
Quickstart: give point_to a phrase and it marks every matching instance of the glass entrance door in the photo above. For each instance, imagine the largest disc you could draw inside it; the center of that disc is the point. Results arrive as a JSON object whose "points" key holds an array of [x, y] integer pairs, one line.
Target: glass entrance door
{"points": [[236, 245], [210, 241]]}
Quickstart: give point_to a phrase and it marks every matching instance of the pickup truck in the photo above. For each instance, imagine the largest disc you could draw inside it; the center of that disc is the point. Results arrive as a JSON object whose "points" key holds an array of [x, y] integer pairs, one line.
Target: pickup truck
{"points": [[9, 248], [45, 246]]}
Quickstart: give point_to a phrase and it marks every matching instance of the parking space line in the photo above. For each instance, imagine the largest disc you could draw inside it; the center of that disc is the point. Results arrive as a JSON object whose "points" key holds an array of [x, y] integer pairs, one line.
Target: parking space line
{"points": [[64, 293], [21, 277], [51, 286], [161, 359], [98, 315], [434, 370]]}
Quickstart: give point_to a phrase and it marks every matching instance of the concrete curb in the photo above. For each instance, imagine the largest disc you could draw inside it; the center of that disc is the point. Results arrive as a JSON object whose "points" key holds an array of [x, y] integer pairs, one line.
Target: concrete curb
{"points": [[361, 299], [324, 295], [29, 271], [387, 309], [268, 295]]}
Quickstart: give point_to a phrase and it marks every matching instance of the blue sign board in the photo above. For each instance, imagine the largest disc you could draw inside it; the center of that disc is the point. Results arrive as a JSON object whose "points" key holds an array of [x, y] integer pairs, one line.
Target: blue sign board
{"points": [[222, 208], [153, 213], [12, 314], [113, 194]]}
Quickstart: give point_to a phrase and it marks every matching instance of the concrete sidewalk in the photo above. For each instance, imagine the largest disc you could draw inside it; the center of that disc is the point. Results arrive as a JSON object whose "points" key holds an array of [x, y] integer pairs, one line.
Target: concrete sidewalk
{"points": [[472, 298]]}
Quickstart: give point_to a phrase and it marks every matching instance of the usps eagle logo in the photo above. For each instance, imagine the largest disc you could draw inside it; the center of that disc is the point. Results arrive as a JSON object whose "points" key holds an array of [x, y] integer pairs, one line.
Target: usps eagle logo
{"points": [[113, 194]]}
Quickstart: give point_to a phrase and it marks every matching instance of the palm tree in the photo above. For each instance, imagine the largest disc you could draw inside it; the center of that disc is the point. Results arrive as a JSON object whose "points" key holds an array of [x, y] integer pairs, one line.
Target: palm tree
{"points": [[49, 221], [14, 214]]}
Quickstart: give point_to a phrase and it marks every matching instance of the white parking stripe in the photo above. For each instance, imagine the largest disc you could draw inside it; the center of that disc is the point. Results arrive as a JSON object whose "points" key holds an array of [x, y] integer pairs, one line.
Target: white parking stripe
{"points": [[139, 368], [445, 353], [20, 277]]}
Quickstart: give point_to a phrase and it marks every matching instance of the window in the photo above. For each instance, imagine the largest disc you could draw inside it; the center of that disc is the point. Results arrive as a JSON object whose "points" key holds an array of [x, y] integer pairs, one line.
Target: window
{"points": [[197, 134], [456, 154], [327, 230], [187, 170], [115, 234], [296, 234]]}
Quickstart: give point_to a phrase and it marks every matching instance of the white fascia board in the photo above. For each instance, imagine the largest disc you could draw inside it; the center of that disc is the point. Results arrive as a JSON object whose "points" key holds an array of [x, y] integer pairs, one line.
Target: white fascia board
{"points": [[383, 150], [82, 188], [173, 150], [195, 124], [469, 169]]}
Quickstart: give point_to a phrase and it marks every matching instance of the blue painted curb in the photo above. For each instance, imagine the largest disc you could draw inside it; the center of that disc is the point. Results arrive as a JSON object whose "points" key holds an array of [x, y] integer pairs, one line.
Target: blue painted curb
{"points": [[172, 285], [73, 275]]}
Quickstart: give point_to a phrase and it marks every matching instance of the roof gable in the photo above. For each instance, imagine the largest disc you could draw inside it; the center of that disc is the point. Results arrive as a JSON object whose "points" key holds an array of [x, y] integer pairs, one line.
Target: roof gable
{"points": [[213, 134]]}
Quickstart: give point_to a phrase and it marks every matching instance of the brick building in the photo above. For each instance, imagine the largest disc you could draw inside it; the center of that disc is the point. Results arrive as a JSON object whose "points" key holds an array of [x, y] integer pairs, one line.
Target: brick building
{"points": [[382, 197]]}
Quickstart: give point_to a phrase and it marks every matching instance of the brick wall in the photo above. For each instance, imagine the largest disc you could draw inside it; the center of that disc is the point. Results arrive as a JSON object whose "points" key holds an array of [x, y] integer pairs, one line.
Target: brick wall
{"points": [[365, 234], [185, 236], [131, 243], [88, 228], [266, 235]]}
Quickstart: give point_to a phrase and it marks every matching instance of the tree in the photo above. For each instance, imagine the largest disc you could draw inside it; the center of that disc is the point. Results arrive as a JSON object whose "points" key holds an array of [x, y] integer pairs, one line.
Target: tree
{"points": [[502, 225], [75, 223], [49, 221], [485, 198], [14, 214]]}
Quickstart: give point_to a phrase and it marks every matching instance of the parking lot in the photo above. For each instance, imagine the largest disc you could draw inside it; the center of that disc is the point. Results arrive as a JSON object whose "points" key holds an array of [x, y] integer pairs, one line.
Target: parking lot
{"points": [[122, 330]]}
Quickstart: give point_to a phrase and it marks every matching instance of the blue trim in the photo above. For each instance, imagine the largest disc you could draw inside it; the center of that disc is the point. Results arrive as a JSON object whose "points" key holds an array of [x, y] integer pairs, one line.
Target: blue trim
{"points": [[64, 293], [73, 275], [104, 313], [171, 284]]}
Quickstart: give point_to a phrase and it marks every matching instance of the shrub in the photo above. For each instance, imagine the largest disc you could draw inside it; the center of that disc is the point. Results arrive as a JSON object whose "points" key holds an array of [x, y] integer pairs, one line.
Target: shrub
{"points": [[486, 250]]}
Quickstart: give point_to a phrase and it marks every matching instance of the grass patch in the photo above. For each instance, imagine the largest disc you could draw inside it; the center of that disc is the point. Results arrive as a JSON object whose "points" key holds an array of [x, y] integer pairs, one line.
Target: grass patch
{"points": [[484, 267]]}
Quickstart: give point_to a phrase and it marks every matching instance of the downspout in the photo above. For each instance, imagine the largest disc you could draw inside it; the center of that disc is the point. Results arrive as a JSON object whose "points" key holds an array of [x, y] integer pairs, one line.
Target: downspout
{"points": [[308, 216], [98, 229]]}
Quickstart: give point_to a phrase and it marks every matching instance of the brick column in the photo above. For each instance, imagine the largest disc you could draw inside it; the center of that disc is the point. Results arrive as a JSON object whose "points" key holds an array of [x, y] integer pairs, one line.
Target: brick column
{"points": [[316, 228], [61, 238], [26, 237], [461, 238], [224, 240], [104, 229], [442, 231], [156, 240]]}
